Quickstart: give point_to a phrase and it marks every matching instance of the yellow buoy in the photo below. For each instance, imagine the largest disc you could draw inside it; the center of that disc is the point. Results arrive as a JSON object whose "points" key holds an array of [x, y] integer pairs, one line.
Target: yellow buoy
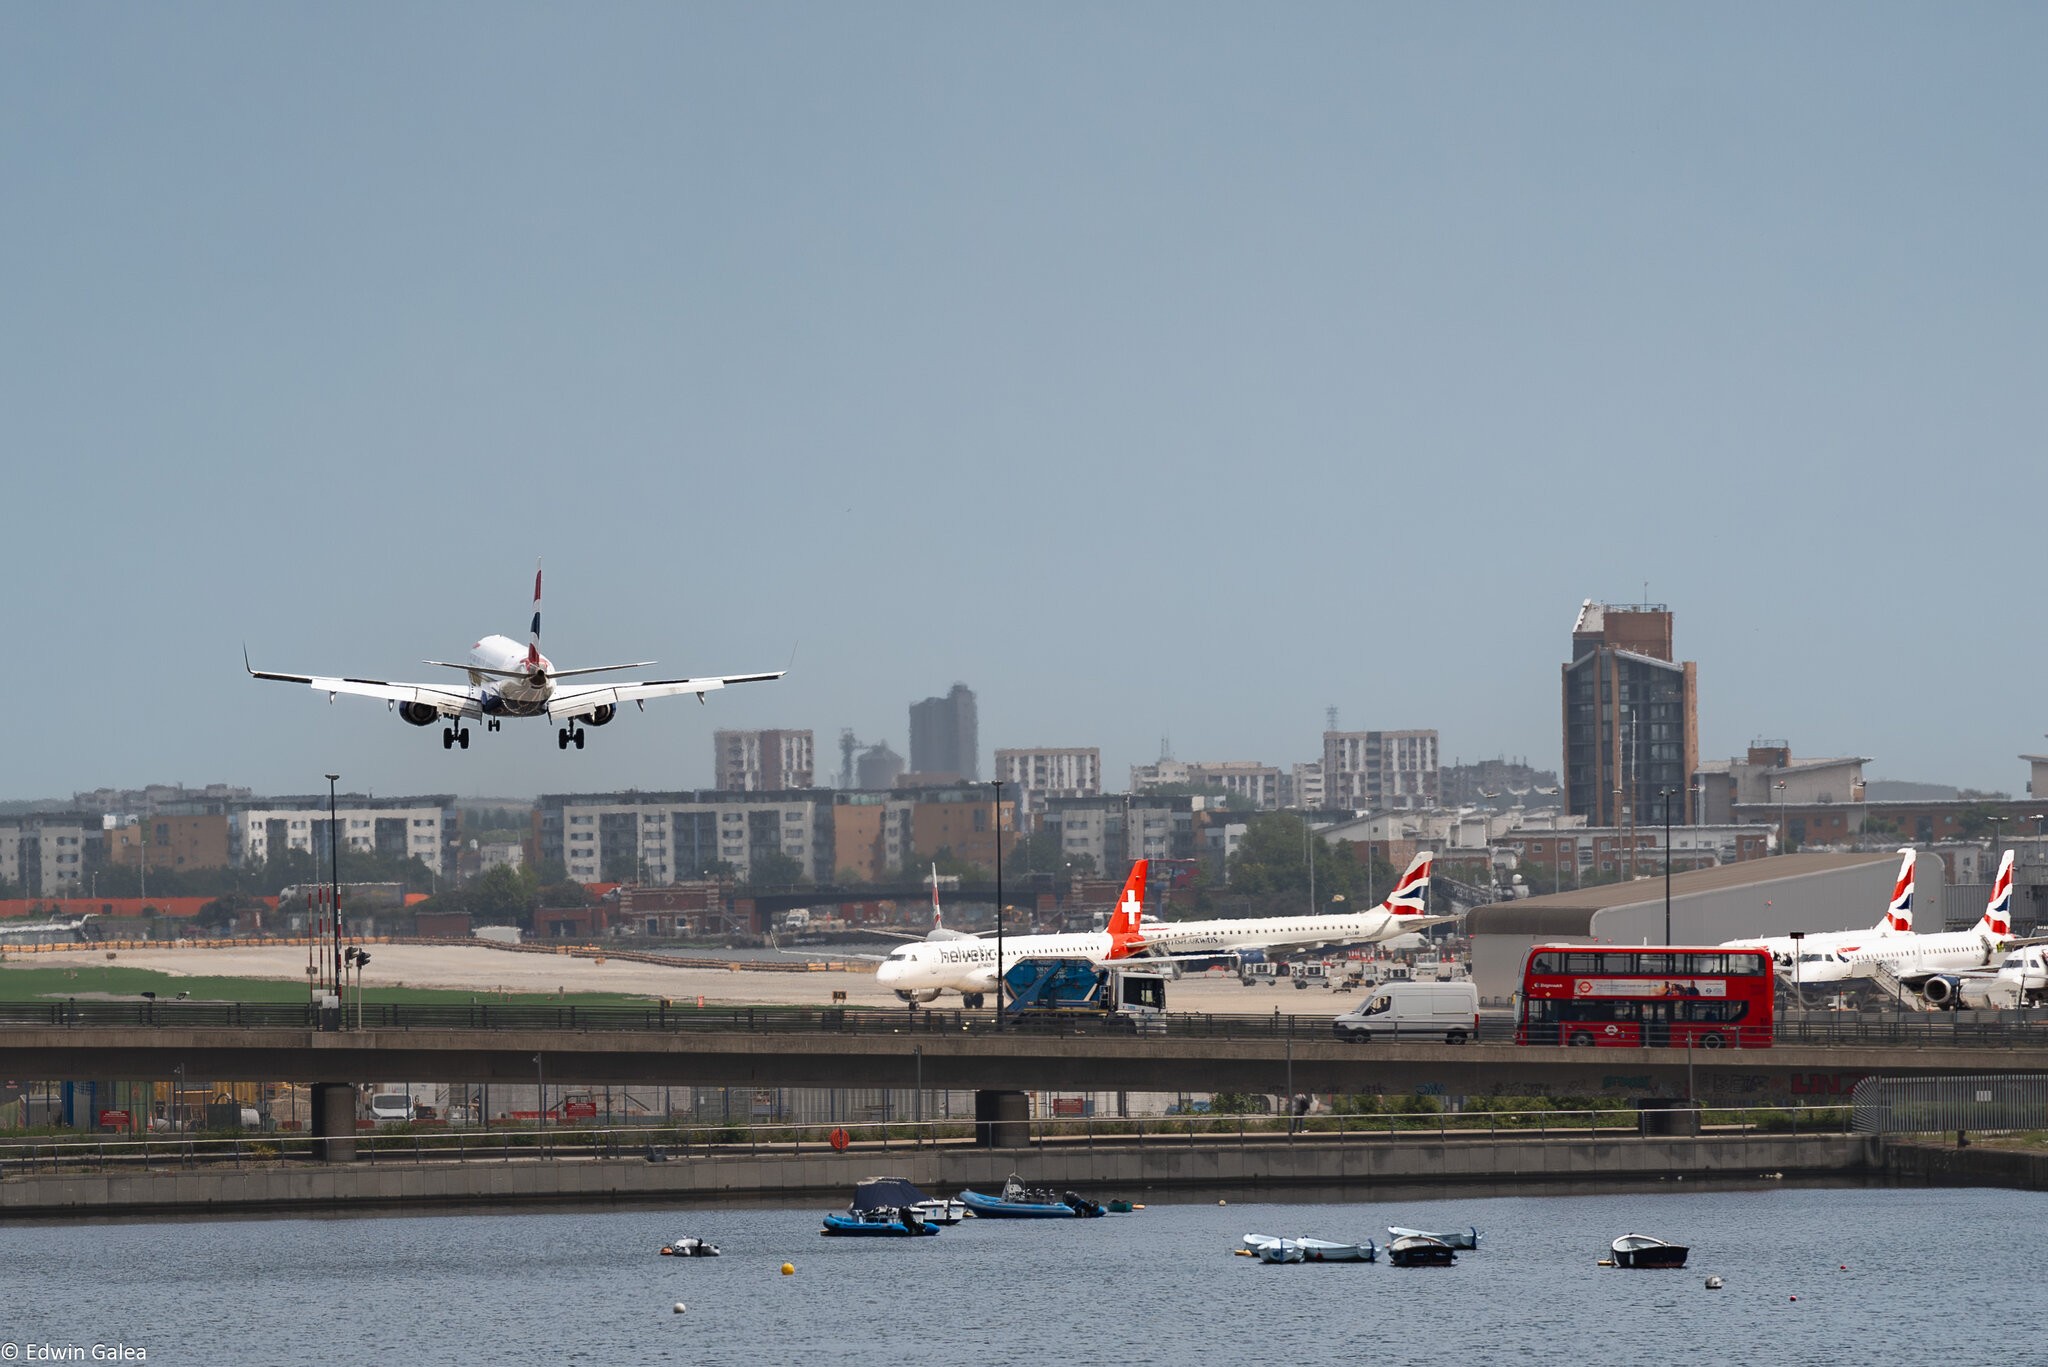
{"points": [[789, 1269]]}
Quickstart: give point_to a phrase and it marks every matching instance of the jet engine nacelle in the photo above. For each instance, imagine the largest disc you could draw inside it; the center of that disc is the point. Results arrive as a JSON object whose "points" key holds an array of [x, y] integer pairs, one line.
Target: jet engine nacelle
{"points": [[1944, 990], [918, 994], [419, 713], [598, 716]]}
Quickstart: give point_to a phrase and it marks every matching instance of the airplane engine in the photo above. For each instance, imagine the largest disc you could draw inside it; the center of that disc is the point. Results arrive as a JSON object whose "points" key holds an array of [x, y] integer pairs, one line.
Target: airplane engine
{"points": [[1944, 991], [600, 715], [918, 995], [419, 713]]}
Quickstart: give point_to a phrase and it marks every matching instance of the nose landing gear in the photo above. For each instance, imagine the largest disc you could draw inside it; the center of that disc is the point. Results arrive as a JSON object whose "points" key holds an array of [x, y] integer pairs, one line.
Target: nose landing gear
{"points": [[567, 735]]}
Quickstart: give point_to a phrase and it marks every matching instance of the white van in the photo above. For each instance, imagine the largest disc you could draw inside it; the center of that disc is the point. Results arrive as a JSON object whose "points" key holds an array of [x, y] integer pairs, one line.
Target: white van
{"points": [[390, 1108], [1416, 1009]]}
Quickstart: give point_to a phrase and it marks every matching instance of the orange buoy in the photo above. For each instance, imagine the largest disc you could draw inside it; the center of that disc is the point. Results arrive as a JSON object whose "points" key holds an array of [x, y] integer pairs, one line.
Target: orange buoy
{"points": [[839, 1139]]}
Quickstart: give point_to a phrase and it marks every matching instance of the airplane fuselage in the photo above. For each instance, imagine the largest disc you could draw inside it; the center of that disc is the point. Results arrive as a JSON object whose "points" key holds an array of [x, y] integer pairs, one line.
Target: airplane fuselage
{"points": [[1819, 958], [499, 696], [1273, 932], [1909, 955], [969, 965]]}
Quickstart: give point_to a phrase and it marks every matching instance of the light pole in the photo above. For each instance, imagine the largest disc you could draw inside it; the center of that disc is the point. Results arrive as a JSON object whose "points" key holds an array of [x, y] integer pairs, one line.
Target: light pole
{"points": [[1997, 824], [540, 1089], [1666, 795], [1784, 831], [334, 876], [356, 957], [997, 819]]}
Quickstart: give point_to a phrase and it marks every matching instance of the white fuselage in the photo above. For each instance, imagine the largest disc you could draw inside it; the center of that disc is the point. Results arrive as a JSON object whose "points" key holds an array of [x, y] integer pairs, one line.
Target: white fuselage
{"points": [[2021, 974], [503, 697], [969, 964], [1275, 932], [1819, 956], [1950, 951]]}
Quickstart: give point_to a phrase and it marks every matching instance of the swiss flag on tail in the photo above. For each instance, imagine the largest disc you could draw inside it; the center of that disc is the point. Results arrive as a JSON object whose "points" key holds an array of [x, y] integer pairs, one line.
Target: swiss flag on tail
{"points": [[1127, 916]]}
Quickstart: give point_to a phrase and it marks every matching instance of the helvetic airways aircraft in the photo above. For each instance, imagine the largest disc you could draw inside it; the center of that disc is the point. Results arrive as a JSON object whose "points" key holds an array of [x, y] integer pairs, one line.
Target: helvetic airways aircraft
{"points": [[507, 679]]}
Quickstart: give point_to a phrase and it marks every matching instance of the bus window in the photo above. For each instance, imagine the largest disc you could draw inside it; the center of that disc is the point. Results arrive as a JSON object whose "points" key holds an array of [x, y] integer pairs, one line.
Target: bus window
{"points": [[1654, 965], [1595, 962], [1543, 963]]}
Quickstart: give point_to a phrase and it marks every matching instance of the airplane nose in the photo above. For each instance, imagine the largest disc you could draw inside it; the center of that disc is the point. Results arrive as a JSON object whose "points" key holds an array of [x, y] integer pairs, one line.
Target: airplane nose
{"points": [[887, 971]]}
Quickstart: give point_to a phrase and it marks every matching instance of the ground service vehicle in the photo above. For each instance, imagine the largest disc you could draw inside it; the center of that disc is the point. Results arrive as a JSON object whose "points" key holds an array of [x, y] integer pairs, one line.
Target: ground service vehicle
{"points": [[1657, 996]]}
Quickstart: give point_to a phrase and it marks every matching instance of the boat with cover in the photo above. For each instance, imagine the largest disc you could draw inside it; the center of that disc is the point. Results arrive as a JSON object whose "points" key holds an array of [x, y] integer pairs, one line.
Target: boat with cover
{"points": [[1312, 1250], [882, 1224], [1419, 1250], [689, 1247], [1019, 1202], [1642, 1250], [1465, 1238], [895, 1193]]}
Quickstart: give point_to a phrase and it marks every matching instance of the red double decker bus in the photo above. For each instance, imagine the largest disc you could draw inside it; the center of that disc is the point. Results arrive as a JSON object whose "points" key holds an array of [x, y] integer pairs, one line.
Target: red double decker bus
{"points": [[1659, 995]]}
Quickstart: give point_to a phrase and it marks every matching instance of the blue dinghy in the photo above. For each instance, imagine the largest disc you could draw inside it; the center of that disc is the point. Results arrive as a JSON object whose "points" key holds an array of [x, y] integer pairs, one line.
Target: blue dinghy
{"points": [[883, 1224], [1019, 1202]]}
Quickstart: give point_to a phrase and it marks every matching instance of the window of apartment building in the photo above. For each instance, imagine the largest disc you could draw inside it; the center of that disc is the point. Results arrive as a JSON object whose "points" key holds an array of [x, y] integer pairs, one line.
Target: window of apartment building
{"points": [[579, 820]]}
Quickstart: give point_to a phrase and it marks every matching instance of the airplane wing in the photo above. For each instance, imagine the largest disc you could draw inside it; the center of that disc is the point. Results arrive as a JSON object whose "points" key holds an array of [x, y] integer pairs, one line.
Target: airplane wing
{"points": [[574, 702], [449, 702]]}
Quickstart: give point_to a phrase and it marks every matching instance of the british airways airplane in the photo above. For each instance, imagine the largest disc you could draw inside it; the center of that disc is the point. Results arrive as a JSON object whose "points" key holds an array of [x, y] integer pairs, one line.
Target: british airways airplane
{"points": [[506, 679], [1822, 957]]}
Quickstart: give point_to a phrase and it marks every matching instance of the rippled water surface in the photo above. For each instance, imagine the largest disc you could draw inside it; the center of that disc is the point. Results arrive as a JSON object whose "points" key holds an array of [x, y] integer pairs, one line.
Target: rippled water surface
{"points": [[1879, 1275]]}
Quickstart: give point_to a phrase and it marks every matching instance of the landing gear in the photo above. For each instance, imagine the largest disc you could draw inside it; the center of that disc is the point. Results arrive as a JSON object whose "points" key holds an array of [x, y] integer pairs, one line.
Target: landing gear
{"points": [[567, 735], [971, 1000], [452, 736]]}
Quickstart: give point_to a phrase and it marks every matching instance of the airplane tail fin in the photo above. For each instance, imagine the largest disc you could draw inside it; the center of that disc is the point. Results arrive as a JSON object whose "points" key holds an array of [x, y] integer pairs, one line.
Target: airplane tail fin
{"points": [[937, 922], [1410, 896], [1997, 919], [1898, 916], [1125, 921], [533, 643]]}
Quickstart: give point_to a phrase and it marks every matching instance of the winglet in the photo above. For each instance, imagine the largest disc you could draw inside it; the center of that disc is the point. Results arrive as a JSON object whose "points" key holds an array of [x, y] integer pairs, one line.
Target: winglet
{"points": [[245, 660]]}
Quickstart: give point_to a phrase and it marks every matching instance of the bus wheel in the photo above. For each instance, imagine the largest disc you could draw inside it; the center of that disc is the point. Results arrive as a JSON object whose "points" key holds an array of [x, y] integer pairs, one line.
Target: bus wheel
{"points": [[1582, 1037], [1711, 1040]]}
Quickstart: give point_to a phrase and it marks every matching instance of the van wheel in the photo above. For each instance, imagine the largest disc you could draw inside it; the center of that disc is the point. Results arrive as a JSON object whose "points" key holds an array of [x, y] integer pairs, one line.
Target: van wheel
{"points": [[1581, 1037], [1455, 1037]]}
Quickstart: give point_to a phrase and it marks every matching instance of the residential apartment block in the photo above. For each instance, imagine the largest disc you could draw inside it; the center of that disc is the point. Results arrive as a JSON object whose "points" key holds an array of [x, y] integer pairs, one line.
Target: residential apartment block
{"points": [[1370, 771], [425, 828], [48, 854], [1038, 775], [1262, 785], [762, 761]]}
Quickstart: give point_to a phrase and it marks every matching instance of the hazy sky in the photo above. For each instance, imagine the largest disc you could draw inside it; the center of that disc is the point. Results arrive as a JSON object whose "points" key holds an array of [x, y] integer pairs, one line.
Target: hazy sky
{"points": [[1156, 369]]}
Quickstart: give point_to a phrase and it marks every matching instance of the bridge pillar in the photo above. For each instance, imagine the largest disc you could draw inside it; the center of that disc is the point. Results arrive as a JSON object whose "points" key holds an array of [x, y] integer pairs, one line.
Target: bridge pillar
{"points": [[334, 1122], [1002, 1120]]}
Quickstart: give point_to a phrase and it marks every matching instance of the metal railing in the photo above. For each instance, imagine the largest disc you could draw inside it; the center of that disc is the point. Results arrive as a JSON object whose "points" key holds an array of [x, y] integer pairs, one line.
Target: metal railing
{"points": [[667, 1141], [1926, 1105]]}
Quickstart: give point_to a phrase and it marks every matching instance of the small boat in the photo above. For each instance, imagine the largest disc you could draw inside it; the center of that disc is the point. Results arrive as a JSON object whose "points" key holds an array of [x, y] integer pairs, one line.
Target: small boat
{"points": [[882, 1224], [1420, 1250], [1279, 1251], [1019, 1202], [895, 1193], [1121, 1207], [1311, 1250], [689, 1248], [1466, 1238], [1641, 1250]]}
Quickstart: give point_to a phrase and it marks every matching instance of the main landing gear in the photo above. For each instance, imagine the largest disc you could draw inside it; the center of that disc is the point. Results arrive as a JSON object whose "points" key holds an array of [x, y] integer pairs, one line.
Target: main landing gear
{"points": [[452, 736], [568, 735]]}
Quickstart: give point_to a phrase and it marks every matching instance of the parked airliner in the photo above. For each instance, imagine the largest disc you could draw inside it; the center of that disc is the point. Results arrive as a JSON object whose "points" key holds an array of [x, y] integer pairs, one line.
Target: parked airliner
{"points": [[1932, 965], [1405, 910], [1820, 955], [507, 679], [921, 970]]}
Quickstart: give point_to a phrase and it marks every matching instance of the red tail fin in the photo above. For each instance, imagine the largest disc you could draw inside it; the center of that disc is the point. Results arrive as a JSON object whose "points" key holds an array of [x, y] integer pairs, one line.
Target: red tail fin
{"points": [[1128, 914]]}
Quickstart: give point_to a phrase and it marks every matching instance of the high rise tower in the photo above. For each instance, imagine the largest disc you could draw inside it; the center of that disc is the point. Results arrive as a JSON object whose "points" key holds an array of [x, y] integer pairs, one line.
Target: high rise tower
{"points": [[1631, 718], [944, 735]]}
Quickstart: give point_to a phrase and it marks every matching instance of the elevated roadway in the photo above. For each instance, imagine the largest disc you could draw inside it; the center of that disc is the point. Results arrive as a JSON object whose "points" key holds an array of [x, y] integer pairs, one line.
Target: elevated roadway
{"points": [[940, 1052]]}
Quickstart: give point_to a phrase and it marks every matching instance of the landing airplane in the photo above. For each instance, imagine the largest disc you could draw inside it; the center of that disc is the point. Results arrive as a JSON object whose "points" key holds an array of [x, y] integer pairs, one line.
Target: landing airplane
{"points": [[74, 928], [510, 680], [1933, 965], [1820, 955], [921, 970], [1404, 911]]}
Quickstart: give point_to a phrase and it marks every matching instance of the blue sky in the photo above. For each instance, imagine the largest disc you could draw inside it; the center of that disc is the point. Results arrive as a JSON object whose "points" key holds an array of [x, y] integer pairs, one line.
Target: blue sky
{"points": [[1158, 370]]}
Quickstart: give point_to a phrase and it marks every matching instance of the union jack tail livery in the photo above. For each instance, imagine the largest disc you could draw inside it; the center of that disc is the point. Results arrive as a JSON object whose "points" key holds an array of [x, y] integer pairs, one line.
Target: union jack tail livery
{"points": [[937, 924], [1997, 920], [1410, 896], [1898, 916], [533, 660], [1125, 920]]}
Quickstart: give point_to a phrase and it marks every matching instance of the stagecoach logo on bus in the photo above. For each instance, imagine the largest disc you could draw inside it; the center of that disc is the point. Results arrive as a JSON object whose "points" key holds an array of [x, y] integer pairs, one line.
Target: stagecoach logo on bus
{"points": [[1650, 987]]}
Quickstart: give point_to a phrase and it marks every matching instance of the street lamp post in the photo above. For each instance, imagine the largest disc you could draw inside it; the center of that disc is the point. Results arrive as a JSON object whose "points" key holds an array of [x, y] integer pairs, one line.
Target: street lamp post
{"points": [[334, 877], [1997, 824], [1666, 794], [997, 784], [1784, 831]]}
